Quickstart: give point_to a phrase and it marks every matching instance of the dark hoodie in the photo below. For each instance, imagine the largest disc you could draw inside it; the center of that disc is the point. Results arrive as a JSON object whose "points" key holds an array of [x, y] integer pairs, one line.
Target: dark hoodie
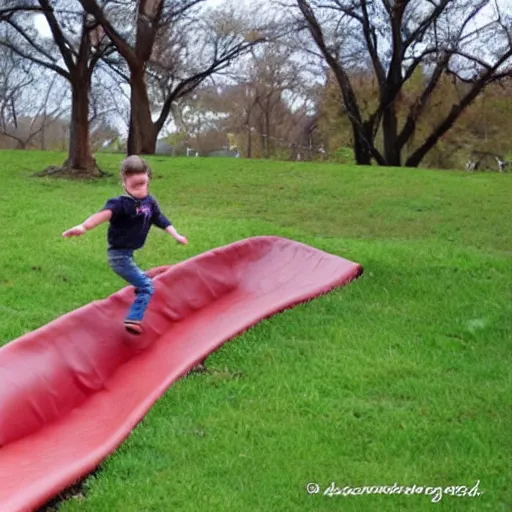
{"points": [[131, 220]]}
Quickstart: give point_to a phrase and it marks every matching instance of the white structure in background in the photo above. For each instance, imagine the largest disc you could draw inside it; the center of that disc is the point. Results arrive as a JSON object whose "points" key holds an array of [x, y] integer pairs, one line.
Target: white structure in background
{"points": [[470, 165], [192, 152], [502, 164], [485, 164], [236, 150]]}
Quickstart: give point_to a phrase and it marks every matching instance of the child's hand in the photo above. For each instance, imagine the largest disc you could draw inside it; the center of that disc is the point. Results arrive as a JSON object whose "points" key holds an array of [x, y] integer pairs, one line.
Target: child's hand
{"points": [[74, 231], [172, 231]]}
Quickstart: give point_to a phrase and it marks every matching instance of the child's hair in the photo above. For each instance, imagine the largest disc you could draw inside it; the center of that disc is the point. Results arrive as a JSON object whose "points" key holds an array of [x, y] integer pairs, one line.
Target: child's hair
{"points": [[133, 164]]}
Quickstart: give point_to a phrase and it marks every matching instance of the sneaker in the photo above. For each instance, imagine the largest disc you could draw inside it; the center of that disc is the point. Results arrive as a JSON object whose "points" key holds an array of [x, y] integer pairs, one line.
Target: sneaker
{"points": [[133, 326]]}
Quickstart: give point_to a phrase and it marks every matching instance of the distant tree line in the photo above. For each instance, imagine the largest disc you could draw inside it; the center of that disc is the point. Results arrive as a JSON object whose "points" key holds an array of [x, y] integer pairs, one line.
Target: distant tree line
{"points": [[414, 83]]}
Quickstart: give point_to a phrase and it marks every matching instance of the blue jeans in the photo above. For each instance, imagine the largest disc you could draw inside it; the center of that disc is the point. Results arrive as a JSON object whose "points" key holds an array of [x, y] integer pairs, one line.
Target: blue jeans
{"points": [[122, 263]]}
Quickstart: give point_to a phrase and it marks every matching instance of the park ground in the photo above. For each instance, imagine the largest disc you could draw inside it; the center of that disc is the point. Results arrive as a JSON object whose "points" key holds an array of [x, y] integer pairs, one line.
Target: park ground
{"points": [[401, 378]]}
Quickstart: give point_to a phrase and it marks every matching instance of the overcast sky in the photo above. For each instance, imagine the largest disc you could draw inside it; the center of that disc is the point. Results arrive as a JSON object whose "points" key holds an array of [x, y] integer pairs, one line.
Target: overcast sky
{"points": [[44, 29], [486, 15]]}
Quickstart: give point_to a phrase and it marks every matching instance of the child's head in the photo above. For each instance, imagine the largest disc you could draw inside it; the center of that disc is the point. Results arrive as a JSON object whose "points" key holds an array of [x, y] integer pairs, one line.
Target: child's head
{"points": [[135, 175]]}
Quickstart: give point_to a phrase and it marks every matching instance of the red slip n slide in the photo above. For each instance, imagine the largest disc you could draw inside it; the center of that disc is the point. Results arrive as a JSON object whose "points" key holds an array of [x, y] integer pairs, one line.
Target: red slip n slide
{"points": [[72, 390]]}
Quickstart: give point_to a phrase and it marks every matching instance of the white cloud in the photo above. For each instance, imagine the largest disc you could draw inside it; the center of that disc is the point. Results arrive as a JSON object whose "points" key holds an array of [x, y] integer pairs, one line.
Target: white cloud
{"points": [[42, 25]]}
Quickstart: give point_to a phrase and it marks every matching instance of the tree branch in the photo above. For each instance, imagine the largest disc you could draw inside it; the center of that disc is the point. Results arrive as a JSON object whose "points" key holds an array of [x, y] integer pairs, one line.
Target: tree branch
{"points": [[65, 47], [456, 110], [421, 102], [122, 46], [36, 60]]}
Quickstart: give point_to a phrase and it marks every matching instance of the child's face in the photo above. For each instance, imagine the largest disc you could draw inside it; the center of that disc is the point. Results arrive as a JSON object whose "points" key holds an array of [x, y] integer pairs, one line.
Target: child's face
{"points": [[137, 185]]}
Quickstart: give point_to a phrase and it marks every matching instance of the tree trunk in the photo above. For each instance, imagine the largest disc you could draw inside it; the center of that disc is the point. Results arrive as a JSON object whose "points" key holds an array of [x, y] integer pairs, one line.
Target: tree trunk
{"points": [[80, 156], [261, 130], [267, 138], [362, 153], [390, 135], [43, 136], [249, 142], [142, 134]]}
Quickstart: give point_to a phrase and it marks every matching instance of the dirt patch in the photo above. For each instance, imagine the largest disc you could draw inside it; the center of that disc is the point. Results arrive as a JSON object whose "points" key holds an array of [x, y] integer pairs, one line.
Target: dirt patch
{"points": [[199, 368], [67, 172], [75, 492]]}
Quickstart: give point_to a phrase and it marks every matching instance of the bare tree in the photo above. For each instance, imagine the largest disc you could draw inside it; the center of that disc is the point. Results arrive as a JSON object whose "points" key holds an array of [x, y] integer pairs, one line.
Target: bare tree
{"points": [[173, 48], [268, 102], [73, 52], [468, 40], [26, 108], [239, 100], [109, 108], [274, 73]]}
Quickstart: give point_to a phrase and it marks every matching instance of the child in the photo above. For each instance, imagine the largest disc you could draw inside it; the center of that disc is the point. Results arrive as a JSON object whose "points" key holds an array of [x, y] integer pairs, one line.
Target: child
{"points": [[131, 216]]}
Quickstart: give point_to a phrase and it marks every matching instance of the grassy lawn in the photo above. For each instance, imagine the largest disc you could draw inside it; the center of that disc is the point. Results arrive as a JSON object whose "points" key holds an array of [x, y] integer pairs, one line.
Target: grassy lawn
{"points": [[403, 377]]}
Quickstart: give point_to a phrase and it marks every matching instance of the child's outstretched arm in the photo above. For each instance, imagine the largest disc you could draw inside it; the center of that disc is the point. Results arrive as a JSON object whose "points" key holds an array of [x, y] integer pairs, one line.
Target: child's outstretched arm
{"points": [[160, 220], [172, 231], [90, 223]]}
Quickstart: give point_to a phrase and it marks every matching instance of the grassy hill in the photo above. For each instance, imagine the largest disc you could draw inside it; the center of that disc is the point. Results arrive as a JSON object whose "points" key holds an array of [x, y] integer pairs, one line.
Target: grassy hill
{"points": [[401, 378]]}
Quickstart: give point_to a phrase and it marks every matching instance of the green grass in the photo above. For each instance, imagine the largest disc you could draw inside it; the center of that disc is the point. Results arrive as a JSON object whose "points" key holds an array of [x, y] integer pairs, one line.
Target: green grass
{"points": [[401, 377]]}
